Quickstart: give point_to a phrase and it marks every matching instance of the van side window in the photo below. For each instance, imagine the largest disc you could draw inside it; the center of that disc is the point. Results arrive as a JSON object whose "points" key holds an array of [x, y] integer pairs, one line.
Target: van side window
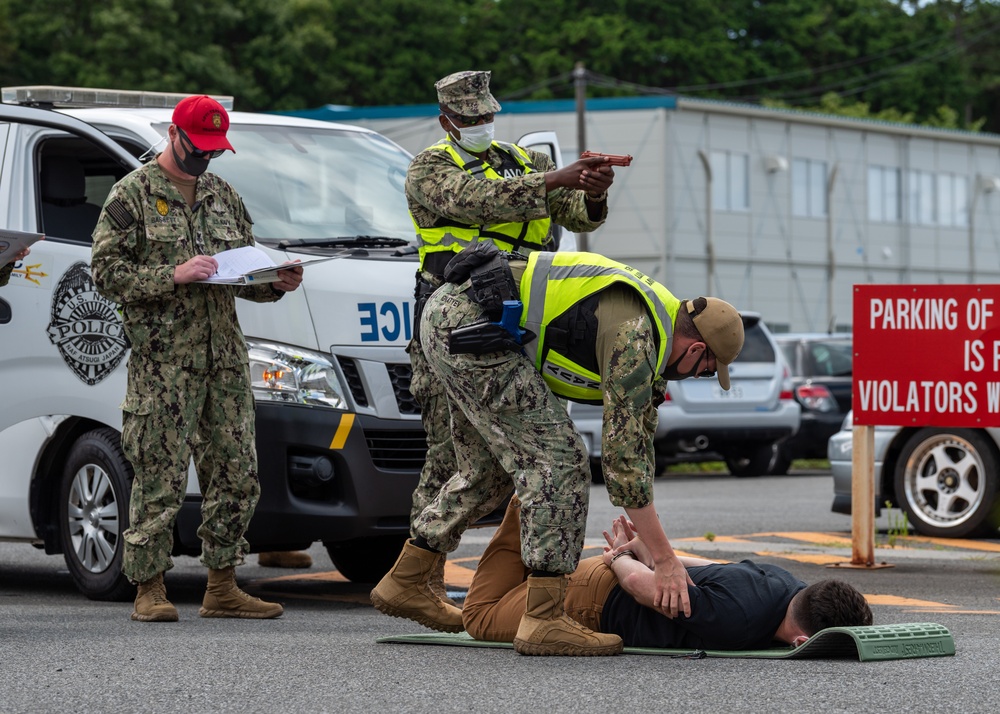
{"points": [[74, 179]]}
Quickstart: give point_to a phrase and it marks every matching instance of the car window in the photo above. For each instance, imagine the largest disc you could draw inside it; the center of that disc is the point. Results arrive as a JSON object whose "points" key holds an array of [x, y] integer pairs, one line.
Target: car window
{"points": [[788, 350], [317, 182], [832, 359], [756, 346], [74, 178]]}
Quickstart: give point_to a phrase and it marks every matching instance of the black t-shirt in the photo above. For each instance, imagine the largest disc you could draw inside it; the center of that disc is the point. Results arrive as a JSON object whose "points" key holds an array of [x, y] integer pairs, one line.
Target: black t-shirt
{"points": [[734, 606]]}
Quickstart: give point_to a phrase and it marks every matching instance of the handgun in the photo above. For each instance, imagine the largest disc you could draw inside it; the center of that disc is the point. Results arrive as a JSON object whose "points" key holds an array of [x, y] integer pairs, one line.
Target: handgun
{"points": [[613, 159]]}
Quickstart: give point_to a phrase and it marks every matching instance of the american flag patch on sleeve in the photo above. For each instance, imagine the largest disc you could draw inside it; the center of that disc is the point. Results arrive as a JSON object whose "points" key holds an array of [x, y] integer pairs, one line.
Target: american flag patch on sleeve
{"points": [[119, 214]]}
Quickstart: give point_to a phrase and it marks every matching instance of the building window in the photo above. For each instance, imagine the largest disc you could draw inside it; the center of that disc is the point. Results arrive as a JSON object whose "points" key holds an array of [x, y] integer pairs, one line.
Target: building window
{"points": [[951, 200], [920, 195], [809, 188], [730, 181], [884, 203]]}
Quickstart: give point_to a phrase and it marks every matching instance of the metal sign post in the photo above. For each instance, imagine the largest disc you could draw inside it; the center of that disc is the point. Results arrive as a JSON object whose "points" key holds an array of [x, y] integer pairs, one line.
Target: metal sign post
{"points": [[862, 501]]}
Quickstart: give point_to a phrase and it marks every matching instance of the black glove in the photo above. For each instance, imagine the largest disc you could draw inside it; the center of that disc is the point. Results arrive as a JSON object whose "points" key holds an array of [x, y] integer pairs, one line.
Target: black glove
{"points": [[472, 256]]}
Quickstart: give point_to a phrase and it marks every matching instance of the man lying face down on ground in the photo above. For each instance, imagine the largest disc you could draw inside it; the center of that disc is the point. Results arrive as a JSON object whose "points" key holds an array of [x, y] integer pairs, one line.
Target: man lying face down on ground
{"points": [[734, 606]]}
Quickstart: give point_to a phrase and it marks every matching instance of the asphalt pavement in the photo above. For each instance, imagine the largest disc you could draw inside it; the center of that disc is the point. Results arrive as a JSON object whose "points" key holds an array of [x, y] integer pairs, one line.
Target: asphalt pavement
{"points": [[60, 652]]}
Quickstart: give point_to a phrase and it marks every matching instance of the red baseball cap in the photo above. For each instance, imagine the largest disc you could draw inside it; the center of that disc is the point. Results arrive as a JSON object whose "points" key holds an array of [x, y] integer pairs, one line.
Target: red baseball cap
{"points": [[205, 121]]}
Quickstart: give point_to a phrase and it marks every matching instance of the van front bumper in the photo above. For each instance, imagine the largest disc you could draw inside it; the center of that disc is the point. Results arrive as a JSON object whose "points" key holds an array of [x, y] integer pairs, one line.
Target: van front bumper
{"points": [[325, 476]]}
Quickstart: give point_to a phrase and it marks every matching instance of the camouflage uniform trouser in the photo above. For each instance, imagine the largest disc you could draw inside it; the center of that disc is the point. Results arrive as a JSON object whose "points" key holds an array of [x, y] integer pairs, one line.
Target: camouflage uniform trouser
{"points": [[440, 465], [170, 413], [508, 430]]}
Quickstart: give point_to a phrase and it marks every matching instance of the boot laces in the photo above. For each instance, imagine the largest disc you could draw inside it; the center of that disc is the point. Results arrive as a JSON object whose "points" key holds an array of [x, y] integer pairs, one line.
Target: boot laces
{"points": [[159, 594]]}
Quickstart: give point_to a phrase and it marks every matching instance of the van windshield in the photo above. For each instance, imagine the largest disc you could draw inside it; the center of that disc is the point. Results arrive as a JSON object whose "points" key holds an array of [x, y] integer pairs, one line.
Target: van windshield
{"points": [[317, 183]]}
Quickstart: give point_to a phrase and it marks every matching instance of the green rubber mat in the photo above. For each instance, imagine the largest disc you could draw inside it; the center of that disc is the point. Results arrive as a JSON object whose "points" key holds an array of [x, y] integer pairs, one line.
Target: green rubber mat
{"points": [[867, 644]]}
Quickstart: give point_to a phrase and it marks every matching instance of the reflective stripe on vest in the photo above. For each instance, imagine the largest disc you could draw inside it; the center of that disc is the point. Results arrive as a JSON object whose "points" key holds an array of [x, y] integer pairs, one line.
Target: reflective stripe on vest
{"points": [[553, 283], [453, 236]]}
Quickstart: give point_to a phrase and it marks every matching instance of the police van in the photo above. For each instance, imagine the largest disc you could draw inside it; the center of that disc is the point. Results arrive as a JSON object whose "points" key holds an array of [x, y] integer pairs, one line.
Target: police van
{"points": [[339, 439]]}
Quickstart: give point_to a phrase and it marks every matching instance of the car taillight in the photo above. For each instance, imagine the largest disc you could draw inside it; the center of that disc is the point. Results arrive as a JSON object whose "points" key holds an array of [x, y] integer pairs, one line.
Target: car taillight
{"points": [[786, 385], [815, 397]]}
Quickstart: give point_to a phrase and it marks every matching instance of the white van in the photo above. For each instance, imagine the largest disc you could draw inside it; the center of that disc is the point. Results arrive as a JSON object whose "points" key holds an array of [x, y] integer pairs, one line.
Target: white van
{"points": [[339, 438]]}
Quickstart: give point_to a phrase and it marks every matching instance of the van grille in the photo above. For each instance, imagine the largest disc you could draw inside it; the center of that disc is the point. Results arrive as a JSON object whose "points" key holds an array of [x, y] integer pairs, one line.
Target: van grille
{"points": [[353, 377], [397, 450], [400, 375]]}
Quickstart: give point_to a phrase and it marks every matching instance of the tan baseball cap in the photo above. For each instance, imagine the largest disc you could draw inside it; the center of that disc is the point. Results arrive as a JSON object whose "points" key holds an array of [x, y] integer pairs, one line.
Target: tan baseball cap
{"points": [[467, 93], [721, 328]]}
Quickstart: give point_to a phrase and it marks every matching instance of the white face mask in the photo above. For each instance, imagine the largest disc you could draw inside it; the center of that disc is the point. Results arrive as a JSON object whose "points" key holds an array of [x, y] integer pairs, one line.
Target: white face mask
{"points": [[475, 138]]}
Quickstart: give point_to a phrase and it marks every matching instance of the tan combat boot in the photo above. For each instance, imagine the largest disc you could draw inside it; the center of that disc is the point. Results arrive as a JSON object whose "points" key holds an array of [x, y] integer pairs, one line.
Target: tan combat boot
{"points": [[545, 629], [405, 591], [285, 559], [151, 604], [223, 598], [437, 586]]}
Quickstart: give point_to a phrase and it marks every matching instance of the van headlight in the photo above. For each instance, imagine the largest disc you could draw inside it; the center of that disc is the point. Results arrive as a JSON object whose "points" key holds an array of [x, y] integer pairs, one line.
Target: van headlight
{"points": [[281, 373]]}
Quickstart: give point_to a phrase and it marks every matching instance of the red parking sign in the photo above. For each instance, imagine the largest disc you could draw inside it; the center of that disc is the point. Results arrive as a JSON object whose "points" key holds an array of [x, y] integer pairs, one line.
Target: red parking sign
{"points": [[927, 355]]}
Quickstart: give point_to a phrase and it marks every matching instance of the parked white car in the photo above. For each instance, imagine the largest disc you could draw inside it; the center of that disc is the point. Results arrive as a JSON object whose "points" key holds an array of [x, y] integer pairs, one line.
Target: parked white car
{"points": [[946, 480]]}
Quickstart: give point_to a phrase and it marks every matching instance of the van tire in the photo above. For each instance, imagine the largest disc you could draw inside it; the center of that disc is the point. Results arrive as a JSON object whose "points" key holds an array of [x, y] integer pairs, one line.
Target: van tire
{"points": [[93, 514], [366, 560]]}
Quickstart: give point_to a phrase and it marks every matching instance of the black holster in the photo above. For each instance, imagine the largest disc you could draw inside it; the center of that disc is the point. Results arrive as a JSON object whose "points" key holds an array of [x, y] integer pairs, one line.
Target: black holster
{"points": [[481, 338], [421, 293]]}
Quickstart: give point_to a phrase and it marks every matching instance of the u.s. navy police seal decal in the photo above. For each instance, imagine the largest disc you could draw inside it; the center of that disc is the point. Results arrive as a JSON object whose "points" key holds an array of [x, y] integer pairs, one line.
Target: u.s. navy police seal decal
{"points": [[84, 326]]}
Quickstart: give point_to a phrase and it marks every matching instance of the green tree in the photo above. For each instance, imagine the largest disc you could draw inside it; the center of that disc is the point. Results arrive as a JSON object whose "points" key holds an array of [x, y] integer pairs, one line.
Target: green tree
{"points": [[936, 62]]}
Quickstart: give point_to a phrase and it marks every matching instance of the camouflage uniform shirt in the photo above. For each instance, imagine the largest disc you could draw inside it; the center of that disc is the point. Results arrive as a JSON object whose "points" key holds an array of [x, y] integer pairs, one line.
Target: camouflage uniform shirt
{"points": [[5, 272], [147, 229], [436, 187]]}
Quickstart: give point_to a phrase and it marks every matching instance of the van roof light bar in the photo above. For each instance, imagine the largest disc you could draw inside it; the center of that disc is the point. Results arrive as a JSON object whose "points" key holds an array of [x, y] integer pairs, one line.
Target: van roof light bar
{"points": [[85, 97]]}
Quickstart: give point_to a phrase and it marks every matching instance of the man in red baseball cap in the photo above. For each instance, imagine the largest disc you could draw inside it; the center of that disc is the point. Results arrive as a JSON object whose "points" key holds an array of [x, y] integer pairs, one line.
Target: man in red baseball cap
{"points": [[204, 121], [188, 393], [199, 126]]}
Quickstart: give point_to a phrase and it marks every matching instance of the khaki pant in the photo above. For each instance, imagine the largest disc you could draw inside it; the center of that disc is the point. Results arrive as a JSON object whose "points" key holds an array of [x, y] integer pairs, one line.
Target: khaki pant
{"points": [[498, 596]]}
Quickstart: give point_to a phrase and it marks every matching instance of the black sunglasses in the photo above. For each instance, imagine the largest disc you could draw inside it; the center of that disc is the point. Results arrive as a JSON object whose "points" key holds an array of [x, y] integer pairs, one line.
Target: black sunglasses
{"points": [[706, 355], [471, 121], [196, 152]]}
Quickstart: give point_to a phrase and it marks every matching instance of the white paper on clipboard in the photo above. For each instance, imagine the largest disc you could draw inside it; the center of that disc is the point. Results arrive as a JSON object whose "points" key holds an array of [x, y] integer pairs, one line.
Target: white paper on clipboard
{"points": [[249, 265], [13, 242]]}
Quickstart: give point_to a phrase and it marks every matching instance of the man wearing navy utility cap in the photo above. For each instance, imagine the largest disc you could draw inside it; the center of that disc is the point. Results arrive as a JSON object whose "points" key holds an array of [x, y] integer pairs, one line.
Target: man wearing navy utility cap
{"points": [[188, 375]]}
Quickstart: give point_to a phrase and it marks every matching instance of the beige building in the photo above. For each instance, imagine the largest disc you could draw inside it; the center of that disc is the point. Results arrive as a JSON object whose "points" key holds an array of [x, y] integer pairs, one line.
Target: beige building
{"points": [[776, 211]]}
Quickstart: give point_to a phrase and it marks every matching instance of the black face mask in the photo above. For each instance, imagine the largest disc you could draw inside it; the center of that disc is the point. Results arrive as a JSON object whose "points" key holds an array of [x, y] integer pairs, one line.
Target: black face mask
{"points": [[670, 371], [190, 165]]}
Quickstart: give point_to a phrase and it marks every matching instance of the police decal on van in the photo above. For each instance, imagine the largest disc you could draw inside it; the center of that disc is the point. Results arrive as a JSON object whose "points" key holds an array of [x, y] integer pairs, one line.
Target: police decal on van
{"points": [[85, 327]]}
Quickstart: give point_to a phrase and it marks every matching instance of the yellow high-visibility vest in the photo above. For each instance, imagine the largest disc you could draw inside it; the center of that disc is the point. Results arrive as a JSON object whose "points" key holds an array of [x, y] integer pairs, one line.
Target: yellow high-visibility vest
{"points": [[452, 236], [552, 284]]}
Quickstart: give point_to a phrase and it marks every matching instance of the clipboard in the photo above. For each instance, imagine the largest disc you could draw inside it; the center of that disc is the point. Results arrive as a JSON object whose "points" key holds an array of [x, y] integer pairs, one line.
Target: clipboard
{"points": [[13, 242]]}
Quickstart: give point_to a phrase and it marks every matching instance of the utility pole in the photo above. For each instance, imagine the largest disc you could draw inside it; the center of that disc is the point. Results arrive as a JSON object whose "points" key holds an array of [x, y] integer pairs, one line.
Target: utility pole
{"points": [[580, 83]]}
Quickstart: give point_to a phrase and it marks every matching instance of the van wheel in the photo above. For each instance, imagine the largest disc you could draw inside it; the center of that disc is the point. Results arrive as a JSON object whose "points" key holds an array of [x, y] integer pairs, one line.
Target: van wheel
{"points": [[947, 482], [93, 514], [366, 560]]}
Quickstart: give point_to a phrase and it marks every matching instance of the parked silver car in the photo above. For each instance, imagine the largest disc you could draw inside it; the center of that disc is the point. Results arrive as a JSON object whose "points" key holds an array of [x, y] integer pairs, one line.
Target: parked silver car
{"points": [[742, 426], [946, 480]]}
